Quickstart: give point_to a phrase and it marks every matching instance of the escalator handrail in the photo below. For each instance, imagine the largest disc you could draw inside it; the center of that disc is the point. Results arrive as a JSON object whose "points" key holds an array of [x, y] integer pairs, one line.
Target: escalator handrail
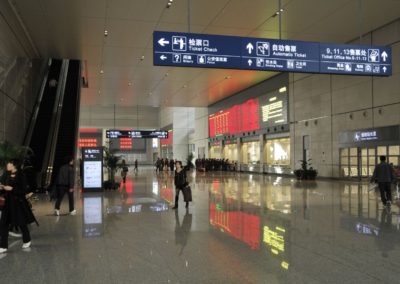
{"points": [[35, 112]]}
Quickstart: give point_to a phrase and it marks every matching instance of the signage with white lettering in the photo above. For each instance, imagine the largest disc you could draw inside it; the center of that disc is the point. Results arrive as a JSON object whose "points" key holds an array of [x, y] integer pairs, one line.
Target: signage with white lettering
{"points": [[92, 159], [217, 51]]}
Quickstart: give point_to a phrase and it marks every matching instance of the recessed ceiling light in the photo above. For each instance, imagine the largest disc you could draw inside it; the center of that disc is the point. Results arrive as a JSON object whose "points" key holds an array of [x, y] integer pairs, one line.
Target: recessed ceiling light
{"points": [[99, 92], [129, 84], [105, 33], [142, 58], [185, 86], [101, 71]]}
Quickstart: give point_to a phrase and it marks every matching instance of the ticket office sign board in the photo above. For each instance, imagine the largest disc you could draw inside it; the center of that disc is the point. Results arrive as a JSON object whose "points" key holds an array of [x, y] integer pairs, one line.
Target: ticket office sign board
{"points": [[136, 134], [92, 159], [217, 51], [355, 59]]}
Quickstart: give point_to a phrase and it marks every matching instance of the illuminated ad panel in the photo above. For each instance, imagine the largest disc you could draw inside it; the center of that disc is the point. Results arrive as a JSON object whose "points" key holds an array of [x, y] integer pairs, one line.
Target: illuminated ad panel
{"points": [[273, 108], [249, 116], [168, 141], [90, 137]]}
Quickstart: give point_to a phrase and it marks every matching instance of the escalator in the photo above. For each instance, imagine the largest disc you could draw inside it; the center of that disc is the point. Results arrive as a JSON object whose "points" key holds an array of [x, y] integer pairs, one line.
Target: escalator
{"points": [[53, 132], [69, 119], [41, 122]]}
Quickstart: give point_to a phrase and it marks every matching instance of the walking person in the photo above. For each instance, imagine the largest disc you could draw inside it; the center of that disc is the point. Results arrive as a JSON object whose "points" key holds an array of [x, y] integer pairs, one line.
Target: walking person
{"points": [[171, 165], [384, 176], [65, 183], [136, 166], [16, 210], [180, 182], [124, 171]]}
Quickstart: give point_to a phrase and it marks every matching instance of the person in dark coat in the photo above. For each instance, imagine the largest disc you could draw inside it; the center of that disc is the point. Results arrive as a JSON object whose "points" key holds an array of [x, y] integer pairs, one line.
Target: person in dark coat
{"points": [[180, 182], [16, 211], [384, 176], [65, 183], [171, 165]]}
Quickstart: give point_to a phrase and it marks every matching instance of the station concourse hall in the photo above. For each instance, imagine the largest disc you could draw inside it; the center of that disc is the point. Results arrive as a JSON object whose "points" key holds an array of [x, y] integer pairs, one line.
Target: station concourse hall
{"points": [[200, 141]]}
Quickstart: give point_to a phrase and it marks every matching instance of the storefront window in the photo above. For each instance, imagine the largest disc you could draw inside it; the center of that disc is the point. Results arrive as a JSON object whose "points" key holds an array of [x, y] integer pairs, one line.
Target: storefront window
{"points": [[251, 152], [231, 152], [215, 152], [382, 151], [394, 150], [277, 152]]}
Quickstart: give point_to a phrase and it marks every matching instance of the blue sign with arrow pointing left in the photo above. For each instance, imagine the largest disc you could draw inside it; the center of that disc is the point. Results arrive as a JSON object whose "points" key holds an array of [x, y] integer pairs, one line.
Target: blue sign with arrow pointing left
{"points": [[216, 51]]}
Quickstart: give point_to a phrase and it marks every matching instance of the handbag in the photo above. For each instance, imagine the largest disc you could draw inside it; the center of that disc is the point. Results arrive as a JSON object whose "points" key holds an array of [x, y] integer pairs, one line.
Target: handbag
{"points": [[187, 194], [2, 201]]}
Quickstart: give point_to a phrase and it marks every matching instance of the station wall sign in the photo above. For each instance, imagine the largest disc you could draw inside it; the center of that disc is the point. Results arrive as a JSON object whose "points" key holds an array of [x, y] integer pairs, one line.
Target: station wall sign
{"points": [[233, 52], [117, 134]]}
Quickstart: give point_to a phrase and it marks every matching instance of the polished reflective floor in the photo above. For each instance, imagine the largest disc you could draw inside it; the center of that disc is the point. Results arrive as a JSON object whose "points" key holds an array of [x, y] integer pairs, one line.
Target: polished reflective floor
{"points": [[241, 228]]}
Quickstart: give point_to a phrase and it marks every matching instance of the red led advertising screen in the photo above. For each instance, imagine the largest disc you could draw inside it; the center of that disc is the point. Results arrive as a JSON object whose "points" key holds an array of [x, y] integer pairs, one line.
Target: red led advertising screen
{"points": [[237, 119], [268, 110]]}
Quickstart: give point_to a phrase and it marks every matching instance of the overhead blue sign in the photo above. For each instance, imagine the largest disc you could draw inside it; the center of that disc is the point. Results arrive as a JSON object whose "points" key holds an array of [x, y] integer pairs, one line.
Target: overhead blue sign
{"points": [[216, 51], [280, 55], [355, 59]]}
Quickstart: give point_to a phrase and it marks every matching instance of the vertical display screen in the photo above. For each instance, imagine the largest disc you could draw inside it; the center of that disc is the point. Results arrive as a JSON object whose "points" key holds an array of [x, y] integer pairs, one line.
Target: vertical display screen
{"points": [[92, 168]]}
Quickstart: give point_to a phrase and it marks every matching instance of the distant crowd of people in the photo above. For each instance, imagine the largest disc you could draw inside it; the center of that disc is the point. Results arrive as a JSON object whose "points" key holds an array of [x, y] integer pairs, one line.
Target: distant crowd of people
{"points": [[165, 165], [207, 165]]}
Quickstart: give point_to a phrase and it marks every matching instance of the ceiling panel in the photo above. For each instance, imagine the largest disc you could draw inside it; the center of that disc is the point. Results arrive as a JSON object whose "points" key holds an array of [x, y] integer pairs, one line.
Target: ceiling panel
{"points": [[75, 29]]}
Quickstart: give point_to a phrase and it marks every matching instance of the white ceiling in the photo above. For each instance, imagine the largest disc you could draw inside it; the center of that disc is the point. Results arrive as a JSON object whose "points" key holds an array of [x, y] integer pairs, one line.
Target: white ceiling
{"points": [[75, 29]]}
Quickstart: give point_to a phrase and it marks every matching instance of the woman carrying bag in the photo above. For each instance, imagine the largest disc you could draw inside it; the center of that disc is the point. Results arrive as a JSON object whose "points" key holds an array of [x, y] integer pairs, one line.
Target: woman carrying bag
{"points": [[180, 183], [16, 210]]}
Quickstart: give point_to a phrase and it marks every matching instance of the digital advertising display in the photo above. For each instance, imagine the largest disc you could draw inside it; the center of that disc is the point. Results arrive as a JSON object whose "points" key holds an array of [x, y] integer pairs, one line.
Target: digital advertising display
{"points": [[237, 119], [118, 134], [259, 113], [273, 109], [92, 159]]}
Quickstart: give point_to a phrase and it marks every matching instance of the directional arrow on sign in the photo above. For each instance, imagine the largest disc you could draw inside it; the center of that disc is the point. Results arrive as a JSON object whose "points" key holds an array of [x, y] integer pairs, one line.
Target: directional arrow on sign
{"points": [[250, 62], [250, 47], [163, 42], [384, 69], [163, 57], [384, 56]]}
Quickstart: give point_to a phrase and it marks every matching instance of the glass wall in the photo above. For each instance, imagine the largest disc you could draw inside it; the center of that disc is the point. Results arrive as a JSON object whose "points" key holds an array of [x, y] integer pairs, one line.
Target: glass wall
{"points": [[360, 162], [277, 152], [251, 152]]}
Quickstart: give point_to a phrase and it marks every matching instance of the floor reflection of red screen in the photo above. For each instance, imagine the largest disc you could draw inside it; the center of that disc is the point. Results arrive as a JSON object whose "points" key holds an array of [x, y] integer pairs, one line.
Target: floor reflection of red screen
{"points": [[240, 225]]}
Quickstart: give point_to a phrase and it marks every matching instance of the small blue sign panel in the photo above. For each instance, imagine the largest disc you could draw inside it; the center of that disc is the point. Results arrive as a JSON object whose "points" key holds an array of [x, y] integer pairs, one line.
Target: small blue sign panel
{"points": [[280, 55], [355, 59], [216, 51], [196, 50]]}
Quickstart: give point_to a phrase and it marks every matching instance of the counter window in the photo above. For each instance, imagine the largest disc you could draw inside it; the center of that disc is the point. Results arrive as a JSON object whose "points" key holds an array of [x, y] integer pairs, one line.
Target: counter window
{"points": [[277, 152]]}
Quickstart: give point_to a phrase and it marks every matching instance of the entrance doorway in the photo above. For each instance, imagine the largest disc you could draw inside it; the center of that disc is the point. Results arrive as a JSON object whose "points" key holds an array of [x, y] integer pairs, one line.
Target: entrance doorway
{"points": [[359, 162]]}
